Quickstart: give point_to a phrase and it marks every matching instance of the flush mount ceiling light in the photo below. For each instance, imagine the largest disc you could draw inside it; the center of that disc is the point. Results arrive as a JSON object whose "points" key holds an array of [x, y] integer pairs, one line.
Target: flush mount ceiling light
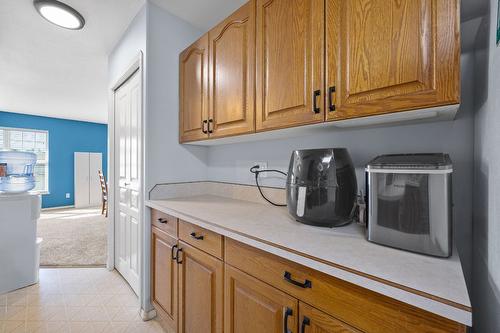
{"points": [[59, 14]]}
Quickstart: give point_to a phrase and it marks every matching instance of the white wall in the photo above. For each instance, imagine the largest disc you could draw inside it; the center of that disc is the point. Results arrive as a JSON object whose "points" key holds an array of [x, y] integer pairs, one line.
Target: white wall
{"points": [[166, 160], [231, 162], [486, 231]]}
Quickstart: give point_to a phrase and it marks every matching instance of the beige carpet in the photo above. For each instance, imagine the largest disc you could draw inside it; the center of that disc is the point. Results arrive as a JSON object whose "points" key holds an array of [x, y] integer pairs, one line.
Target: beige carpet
{"points": [[73, 237]]}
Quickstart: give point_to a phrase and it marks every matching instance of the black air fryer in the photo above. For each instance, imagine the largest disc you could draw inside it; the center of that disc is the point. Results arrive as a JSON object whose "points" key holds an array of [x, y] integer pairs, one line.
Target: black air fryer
{"points": [[321, 187]]}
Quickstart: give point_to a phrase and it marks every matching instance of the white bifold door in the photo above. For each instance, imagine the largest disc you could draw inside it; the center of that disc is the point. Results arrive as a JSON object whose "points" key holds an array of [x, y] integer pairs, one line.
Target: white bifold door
{"points": [[87, 187], [127, 212]]}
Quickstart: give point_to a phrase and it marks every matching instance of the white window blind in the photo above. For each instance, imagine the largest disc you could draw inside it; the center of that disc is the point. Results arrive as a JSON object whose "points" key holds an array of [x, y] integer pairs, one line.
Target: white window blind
{"points": [[30, 140]]}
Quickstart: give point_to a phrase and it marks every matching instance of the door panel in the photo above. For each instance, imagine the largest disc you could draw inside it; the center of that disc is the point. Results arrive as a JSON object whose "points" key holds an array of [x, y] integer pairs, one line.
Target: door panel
{"points": [[200, 291], [232, 73], [315, 321], [193, 66], [289, 63], [82, 189], [253, 306], [95, 192], [385, 56], [128, 103], [164, 284]]}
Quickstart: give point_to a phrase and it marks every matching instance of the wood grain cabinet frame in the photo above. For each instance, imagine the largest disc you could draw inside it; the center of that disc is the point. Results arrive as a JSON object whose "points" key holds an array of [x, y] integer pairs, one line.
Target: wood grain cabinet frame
{"points": [[193, 91], [289, 63], [232, 74], [386, 56]]}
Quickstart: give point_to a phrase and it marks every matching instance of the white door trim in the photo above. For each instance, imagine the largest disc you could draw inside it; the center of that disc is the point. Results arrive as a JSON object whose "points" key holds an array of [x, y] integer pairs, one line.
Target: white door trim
{"points": [[136, 65]]}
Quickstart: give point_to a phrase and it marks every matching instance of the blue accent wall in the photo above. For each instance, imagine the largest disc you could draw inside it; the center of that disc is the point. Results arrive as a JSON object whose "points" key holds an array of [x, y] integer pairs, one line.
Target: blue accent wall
{"points": [[65, 138]]}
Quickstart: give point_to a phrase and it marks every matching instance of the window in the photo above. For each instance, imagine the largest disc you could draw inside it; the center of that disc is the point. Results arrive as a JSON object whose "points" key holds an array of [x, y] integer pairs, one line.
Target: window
{"points": [[35, 141]]}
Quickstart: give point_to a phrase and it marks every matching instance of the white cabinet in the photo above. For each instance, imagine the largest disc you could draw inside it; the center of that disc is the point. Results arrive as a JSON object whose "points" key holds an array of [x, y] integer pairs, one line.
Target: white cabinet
{"points": [[87, 187]]}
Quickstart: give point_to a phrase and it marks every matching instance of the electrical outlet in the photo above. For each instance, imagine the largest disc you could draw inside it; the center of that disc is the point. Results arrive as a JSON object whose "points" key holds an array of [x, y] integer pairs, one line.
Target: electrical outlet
{"points": [[68, 195], [262, 166]]}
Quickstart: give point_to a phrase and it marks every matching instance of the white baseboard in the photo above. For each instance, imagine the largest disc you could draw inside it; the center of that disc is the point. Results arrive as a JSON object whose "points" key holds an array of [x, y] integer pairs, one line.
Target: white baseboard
{"points": [[60, 207], [148, 315]]}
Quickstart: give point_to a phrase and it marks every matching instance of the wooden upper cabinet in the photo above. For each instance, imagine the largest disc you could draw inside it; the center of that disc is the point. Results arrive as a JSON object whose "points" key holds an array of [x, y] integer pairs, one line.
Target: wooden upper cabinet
{"points": [[385, 56], [193, 90], [164, 276], [315, 321], [201, 288], [232, 74], [289, 63], [253, 306]]}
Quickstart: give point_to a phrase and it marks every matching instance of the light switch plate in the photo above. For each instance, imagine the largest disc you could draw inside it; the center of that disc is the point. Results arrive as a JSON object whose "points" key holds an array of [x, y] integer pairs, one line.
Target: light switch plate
{"points": [[68, 195]]}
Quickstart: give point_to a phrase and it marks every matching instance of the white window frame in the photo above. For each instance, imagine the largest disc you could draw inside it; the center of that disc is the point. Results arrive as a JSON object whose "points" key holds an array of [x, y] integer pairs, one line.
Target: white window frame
{"points": [[45, 162]]}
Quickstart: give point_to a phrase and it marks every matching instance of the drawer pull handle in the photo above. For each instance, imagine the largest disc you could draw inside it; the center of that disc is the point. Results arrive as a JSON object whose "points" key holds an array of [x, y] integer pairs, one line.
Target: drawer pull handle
{"points": [[178, 257], [162, 220], [288, 313], [288, 278], [305, 322], [174, 248], [193, 234]]}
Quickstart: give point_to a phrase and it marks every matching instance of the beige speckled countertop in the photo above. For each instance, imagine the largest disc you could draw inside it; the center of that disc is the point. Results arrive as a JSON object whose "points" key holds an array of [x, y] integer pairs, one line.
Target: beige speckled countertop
{"points": [[433, 284]]}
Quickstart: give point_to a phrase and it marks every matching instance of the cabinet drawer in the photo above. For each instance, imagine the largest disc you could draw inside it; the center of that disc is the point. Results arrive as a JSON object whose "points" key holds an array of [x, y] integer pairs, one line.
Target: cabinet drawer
{"points": [[358, 307], [201, 238], [164, 222]]}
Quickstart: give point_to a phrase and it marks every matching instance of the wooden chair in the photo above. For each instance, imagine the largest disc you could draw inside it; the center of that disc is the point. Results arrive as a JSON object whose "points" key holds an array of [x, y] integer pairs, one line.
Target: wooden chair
{"points": [[104, 189]]}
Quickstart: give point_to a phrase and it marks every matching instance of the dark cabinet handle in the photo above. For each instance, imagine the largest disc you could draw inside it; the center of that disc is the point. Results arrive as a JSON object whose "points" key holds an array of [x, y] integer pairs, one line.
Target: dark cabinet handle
{"points": [[331, 106], [316, 94], [204, 126], [210, 128], [193, 234], [178, 258], [174, 248], [162, 220], [288, 313], [305, 322], [288, 277]]}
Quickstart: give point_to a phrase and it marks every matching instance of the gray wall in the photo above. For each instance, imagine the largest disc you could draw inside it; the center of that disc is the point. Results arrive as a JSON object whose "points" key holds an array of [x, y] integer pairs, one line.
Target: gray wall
{"points": [[231, 162], [486, 230]]}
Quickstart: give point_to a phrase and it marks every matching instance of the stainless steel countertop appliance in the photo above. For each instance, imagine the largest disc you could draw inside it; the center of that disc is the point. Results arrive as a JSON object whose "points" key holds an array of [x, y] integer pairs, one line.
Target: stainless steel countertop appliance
{"points": [[321, 187], [409, 202]]}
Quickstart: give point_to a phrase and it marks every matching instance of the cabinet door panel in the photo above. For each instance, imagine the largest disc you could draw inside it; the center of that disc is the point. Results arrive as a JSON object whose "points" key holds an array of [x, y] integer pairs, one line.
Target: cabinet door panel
{"points": [[201, 291], [164, 276], [289, 63], [253, 306], [314, 321], [232, 73], [385, 56], [193, 67]]}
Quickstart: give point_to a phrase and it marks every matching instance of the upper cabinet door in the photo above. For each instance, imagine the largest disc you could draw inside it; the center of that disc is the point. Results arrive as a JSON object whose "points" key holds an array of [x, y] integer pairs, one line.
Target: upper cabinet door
{"points": [[232, 74], [193, 115], [385, 56], [289, 63]]}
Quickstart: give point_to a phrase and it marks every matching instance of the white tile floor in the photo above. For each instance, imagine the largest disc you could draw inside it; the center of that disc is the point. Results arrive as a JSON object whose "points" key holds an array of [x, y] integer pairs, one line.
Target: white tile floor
{"points": [[71, 300]]}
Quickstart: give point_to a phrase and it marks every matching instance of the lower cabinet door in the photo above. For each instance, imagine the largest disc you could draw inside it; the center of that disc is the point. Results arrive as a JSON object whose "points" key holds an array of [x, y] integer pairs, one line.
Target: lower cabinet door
{"points": [[313, 320], [252, 306], [164, 276], [201, 287]]}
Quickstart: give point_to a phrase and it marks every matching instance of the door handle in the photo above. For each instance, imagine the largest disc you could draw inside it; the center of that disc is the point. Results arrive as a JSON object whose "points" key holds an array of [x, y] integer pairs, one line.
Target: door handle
{"points": [[193, 235], [126, 184], [174, 248], [177, 256], [288, 313], [204, 128], [305, 322], [316, 94], [331, 106], [210, 128], [288, 278]]}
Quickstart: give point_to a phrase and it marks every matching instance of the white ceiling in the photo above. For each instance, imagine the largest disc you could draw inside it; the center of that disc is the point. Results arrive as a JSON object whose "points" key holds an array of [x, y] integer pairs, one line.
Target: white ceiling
{"points": [[203, 14], [50, 71]]}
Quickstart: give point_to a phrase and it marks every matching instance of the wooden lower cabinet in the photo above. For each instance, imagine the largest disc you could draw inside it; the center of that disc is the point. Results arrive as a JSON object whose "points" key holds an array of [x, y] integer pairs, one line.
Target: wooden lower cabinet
{"points": [[312, 320], [164, 276], [201, 291], [252, 306]]}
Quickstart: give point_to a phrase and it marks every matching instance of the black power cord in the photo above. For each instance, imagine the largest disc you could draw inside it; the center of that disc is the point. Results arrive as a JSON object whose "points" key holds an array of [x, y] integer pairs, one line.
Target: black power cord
{"points": [[255, 171]]}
